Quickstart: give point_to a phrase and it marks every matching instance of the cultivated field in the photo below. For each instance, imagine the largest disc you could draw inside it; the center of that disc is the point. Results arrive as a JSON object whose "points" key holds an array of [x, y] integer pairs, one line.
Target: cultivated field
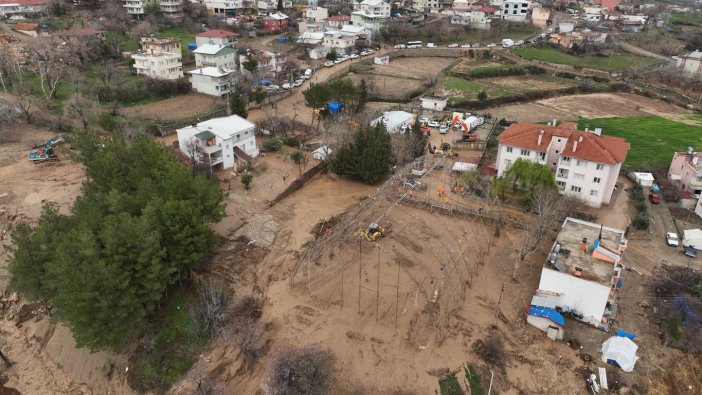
{"points": [[501, 86], [654, 139], [470, 64], [413, 67], [178, 107], [617, 62]]}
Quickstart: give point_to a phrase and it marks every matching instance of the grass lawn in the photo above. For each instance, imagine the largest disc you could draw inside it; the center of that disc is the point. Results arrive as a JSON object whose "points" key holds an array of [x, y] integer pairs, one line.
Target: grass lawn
{"points": [[470, 89], [178, 34], [653, 139], [460, 36], [618, 62]]}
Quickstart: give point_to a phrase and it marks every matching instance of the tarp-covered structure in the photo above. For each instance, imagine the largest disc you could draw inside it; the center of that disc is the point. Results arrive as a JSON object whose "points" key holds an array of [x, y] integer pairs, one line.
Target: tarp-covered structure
{"points": [[692, 237], [620, 351]]}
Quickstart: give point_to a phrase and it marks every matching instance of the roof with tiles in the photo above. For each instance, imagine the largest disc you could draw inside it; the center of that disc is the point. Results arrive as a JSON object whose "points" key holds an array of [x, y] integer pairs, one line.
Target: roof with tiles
{"points": [[580, 144]]}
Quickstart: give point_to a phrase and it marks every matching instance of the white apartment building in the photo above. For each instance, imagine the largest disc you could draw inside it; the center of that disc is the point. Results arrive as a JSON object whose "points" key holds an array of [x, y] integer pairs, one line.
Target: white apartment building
{"points": [[159, 58], [371, 14], [271, 5], [27, 8], [586, 164], [225, 8], [339, 42], [515, 10], [220, 142], [170, 8], [213, 81], [316, 14], [217, 37], [213, 55]]}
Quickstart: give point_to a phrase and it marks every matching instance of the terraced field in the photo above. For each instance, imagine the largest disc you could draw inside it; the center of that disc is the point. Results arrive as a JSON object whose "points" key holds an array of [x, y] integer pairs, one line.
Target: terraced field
{"points": [[653, 139]]}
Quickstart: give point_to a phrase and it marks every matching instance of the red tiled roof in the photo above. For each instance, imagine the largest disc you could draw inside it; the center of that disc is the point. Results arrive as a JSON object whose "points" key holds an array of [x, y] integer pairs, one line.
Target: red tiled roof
{"points": [[216, 33], [79, 32], [26, 26], [339, 18], [594, 148]]}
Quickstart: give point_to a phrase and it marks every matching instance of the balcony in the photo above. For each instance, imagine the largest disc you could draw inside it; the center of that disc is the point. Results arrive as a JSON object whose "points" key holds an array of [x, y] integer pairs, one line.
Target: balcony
{"points": [[562, 173]]}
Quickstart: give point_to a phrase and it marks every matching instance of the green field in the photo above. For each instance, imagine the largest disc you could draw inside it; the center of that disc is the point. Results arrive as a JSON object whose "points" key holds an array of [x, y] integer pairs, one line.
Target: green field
{"points": [[653, 139], [470, 89], [618, 62], [178, 34]]}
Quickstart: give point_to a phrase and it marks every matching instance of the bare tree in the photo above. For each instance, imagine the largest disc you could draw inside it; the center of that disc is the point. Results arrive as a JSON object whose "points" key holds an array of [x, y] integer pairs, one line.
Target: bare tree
{"points": [[81, 107], [24, 99], [247, 335], [211, 314], [304, 370], [50, 64]]}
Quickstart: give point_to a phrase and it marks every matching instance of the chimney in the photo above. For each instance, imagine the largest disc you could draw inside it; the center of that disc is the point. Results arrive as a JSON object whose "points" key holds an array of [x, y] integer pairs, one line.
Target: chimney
{"points": [[554, 122], [598, 130], [541, 135], [587, 128], [575, 145], [580, 139]]}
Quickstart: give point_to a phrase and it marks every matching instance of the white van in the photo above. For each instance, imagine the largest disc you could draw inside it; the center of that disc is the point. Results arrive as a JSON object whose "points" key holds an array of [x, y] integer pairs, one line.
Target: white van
{"points": [[308, 74], [506, 43], [431, 45]]}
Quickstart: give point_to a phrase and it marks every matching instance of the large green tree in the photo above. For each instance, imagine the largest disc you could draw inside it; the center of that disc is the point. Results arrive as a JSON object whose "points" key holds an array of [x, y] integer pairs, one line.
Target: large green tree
{"points": [[343, 90], [237, 104], [529, 175], [140, 226], [367, 157]]}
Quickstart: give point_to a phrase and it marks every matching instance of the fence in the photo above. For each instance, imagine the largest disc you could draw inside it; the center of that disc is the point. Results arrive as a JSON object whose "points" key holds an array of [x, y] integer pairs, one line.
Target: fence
{"points": [[298, 183]]}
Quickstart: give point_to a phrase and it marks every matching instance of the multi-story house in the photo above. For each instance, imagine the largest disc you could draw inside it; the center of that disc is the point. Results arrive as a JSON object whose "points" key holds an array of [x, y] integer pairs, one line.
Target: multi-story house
{"points": [[213, 55], [27, 8], [515, 10], [586, 164], [337, 21], [159, 58], [218, 37], [214, 81], [268, 5], [226, 8], [339, 42], [220, 142], [540, 16], [316, 14], [170, 8], [371, 14], [685, 171], [275, 22]]}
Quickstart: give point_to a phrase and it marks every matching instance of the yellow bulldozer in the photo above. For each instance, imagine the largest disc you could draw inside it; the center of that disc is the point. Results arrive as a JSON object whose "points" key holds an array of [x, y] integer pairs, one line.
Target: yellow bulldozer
{"points": [[373, 233]]}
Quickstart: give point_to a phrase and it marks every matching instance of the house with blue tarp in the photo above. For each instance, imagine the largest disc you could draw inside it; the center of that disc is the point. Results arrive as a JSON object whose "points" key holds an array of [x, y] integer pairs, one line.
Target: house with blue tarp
{"points": [[546, 318]]}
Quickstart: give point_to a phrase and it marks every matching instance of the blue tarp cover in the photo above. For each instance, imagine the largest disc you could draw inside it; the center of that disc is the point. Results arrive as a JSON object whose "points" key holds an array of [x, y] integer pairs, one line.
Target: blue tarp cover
{"points": [[547, 312], [622, 333]]}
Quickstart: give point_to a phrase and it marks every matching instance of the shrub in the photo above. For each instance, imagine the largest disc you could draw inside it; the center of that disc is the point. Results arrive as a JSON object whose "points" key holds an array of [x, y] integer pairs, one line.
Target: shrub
{"points": [[450, 386], [291, 142], [305, 370], [247, 336], [246, 179], [273, 144], [641, 221], [491, 350], [476, 388], [640, 205]]}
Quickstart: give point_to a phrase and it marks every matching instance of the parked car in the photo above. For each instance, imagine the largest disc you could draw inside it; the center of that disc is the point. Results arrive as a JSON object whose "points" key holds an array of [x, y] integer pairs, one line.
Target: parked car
{"points": [[443, 129], [370, 51], [506, 122], [287, 86], [298, 83], [470, 138], [520, 42], [454, 45], [307, 74], [465, 45], [476, 45], [273, 88], [654, 198], [423, 120], [431, 45], [400, 46], [491, 45], [328, 64], [480, 121], [353, 56], [433, 124], [338, 60], [672, 239]]}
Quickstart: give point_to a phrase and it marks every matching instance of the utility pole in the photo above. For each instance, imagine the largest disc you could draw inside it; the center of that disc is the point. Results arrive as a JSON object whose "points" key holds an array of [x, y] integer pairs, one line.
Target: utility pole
{"points": [[360, 266], [497, 309], [377, 289], [8, 364]]}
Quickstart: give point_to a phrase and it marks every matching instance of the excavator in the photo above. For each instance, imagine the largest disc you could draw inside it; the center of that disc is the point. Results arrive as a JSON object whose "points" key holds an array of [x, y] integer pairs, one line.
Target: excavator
{"points": [[372, 233], [45, 153]]}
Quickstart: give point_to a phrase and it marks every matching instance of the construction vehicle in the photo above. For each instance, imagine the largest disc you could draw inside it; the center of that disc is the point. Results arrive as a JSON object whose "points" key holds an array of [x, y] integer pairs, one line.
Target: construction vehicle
{"points": [[372, 233], [45, 152]]}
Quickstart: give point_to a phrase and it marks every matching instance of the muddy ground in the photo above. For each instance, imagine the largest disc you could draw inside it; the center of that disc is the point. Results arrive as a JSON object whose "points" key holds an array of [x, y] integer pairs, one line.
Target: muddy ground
{"points": [[175, 108]]}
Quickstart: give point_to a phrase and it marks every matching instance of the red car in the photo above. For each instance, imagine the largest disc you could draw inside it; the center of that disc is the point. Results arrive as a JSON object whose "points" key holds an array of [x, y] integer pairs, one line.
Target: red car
{"points": [[654, 198]]}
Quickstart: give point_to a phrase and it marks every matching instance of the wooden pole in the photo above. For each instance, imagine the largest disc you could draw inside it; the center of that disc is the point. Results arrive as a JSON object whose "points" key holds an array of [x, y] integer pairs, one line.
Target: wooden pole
{"points": [[5, 359], [360, 266], [377, 289], [397, 293], [342, 284]]}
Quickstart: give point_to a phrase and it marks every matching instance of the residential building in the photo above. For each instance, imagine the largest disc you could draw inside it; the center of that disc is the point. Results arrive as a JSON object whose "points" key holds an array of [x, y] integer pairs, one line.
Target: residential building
{"points": [[583, 37], [275, 22], [435, 103], [608, 5], [480, 17], [395, 121], [30, 29], [267, 61], [586, 164], [220, 142], [582, 274], [515, 10], [685, 171], [26, 8], [271, 5], [169, 8], [159, 58], [371, 14], [226, 8], [213, 81], [540, 16], [690, 64], [316, 14], [420, 5], [310, 27], [341, 43], [438, 5], [213, 55], [337, 21], [547, 319], [217, 37]]}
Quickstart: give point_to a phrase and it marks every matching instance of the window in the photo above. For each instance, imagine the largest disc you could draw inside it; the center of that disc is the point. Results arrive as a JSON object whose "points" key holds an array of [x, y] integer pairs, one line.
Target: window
{"points": [[509, 149], [563, 173], [600, 166], [508, 163], [596, 180], [593, 193], [542, 155], [579, 176], [559, 140], [525, 152], [580, 163], [561, 184], [699, 178], [575, 189]]}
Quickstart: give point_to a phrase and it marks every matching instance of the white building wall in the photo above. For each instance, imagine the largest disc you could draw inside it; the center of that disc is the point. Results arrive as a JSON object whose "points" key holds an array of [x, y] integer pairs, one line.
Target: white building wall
{"points": [[167, 67], [208, 85], [515, 10], [507, 155], [227, 61], [595, 180], [586, 297]]}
